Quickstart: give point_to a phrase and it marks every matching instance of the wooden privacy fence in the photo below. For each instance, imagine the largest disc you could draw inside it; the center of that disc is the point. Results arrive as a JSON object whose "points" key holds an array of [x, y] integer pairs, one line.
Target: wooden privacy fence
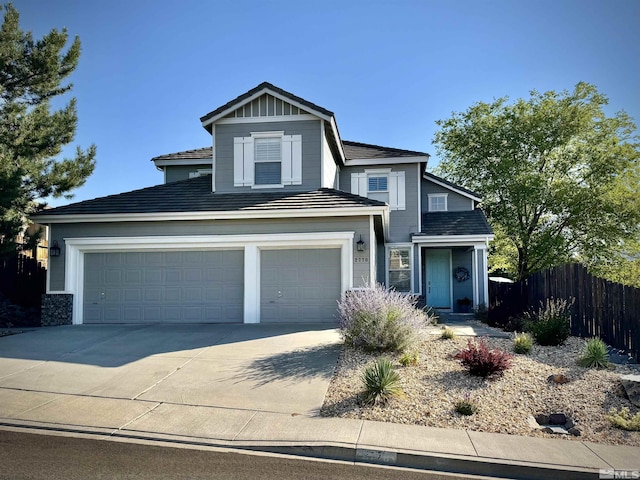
{"points": [[22, 279], [602, 309]]}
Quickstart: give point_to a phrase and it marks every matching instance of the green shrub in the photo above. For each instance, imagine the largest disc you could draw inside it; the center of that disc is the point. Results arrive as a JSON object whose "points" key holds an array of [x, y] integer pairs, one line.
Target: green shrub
{"points": [[466, 406], [522, 343], [377, 319], [448, 334], [594, 354], [381, 382], [482, 362], [550, 324], [409, 358], [623, 419]]}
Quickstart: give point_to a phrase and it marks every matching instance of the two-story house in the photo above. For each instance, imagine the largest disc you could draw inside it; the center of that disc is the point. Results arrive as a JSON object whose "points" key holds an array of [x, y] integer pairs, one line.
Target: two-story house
{"points": [[272, 222]]}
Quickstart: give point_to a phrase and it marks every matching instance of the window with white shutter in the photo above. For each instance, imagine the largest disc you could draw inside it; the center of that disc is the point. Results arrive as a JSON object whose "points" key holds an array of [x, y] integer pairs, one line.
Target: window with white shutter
{"points": [[267, 159], [383, 185]]}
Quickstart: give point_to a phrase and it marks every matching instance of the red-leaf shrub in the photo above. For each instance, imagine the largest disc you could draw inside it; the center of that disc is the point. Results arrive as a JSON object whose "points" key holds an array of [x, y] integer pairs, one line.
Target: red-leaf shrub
{"points": [[483, 362]]}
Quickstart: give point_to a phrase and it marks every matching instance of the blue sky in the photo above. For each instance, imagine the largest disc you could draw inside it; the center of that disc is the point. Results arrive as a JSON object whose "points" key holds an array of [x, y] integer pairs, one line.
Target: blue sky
{"points": [[387, 69]]}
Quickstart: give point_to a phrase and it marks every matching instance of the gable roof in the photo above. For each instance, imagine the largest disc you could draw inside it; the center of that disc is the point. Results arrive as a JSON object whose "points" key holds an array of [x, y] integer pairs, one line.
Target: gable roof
{"points": [[469, 222], [257, 91], [194, 154], [357, 150], [194, 196], [452, 186]]}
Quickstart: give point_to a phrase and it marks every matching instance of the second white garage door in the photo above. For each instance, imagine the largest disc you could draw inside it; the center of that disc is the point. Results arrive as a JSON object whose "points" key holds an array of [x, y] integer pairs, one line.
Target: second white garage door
{"points": [[299, 285]]}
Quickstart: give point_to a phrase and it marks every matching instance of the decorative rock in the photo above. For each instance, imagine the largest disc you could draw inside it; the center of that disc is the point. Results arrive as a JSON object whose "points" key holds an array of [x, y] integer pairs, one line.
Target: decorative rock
{"points": [[631, 385], [555, 429], [531, 422], [57, 309], [621, 392], [558, 378], [542, 419], [574, 431], [569, 424], [557, 419]]}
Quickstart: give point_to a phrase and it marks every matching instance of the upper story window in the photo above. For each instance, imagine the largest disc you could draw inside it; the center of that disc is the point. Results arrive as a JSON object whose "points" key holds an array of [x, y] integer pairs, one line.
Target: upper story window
{"points": [[381, 184], [267, 160], [437, 202]]}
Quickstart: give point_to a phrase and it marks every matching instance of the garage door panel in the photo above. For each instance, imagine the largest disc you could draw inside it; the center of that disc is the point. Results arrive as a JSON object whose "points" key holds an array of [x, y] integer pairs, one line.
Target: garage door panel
{"points": [[151, 287], [309, 283]]}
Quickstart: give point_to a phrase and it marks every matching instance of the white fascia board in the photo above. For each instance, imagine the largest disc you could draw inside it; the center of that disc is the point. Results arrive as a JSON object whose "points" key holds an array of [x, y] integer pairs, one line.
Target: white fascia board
{"points": [[447, 240], [453, 189], [252, 98], [336, 135], [226, 215], [183, 161], [356, 162]]}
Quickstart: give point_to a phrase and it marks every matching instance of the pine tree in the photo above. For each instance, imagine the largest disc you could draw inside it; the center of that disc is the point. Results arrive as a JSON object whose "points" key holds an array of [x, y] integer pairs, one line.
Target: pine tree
{"points": [[32, 73]]}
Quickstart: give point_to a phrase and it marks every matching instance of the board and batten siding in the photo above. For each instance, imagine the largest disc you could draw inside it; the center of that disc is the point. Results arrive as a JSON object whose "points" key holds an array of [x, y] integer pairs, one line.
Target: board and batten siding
{"points": [[311, 148], [402, 222], [455, 201], [359, 225]]}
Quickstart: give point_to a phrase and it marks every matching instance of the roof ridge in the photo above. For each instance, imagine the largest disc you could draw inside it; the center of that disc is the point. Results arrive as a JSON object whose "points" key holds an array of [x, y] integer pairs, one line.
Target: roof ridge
{"points": [[371, 145]]}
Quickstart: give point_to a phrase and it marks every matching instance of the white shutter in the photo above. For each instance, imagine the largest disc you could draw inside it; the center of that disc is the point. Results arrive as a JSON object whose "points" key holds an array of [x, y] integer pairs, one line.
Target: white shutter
{"points": [[396, 191], [292, 159], [248, 161], [238, 161], [296, 159], [359, 184]]}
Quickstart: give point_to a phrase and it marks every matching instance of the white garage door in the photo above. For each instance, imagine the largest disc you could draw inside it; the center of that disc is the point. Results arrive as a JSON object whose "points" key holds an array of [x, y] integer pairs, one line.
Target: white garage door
{"points": [[164, 287], [301, 285]]}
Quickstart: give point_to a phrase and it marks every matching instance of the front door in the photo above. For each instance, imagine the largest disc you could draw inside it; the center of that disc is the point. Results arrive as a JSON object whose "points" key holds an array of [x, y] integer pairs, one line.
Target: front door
{"points": [[438, 278]]}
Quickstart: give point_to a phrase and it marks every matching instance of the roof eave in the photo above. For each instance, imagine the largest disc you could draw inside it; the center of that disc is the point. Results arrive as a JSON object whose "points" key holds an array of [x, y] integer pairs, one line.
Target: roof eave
{"points": [[450, 187], [214, 215], [386, 160]]}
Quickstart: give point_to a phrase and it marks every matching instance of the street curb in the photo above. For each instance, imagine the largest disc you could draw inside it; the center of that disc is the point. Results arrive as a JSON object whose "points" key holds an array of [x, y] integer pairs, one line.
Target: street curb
{"points": [[444, 463]]}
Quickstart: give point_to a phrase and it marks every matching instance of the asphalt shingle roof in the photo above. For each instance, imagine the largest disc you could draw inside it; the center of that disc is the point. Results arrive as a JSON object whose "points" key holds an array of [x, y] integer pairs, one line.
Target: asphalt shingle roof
{"points": [[194, 195], [273, 88], [451, 184], [195, 154], [352, 150], [470, 222], [358, 150]]}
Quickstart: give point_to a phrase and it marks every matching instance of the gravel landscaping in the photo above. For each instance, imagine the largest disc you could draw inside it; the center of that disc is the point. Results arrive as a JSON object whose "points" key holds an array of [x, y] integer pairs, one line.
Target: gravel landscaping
{"points": [[437, 382]]}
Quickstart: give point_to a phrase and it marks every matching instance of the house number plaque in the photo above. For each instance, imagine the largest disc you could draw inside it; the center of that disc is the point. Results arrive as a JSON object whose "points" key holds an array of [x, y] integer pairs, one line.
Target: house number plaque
{"points": [[361, 260]]}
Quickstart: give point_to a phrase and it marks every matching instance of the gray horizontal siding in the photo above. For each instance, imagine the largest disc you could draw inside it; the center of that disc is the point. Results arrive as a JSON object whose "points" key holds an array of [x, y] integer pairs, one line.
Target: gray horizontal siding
{"points": [[402, 222], [359, 225], [455, 201], [180, 172], [311, 148]]}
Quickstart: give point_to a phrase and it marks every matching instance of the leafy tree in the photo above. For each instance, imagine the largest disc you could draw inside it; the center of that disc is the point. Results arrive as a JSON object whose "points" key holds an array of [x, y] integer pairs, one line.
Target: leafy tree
{"points": [[31, 135], [560, 179]]}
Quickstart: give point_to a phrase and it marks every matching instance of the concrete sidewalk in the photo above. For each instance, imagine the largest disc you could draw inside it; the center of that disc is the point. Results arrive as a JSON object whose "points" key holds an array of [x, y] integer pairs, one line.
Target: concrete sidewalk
{"points": [[436, 449]]}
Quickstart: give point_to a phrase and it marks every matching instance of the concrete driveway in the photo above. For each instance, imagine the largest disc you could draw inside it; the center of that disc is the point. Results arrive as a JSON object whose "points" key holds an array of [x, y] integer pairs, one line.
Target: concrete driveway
{"points": [[269, 368]]}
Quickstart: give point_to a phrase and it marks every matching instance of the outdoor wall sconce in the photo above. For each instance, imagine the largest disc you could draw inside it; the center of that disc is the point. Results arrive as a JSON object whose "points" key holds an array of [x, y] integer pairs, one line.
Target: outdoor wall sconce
{"points": [[360, 245], [54, 251]]}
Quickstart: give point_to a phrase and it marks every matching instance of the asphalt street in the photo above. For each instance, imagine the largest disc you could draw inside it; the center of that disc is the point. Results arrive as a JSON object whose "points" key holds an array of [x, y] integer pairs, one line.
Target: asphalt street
{"points": [[40, 456]]}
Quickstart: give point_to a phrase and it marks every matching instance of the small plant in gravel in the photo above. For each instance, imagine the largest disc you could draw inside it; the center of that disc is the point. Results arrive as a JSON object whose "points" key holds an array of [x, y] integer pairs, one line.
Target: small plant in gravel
{"points": [[381, 382], [448, 334], [483, 362], [409, 358], [522, 343], [466, 406], [550, 324], [377, 319], [594, 354], [624, 420]]}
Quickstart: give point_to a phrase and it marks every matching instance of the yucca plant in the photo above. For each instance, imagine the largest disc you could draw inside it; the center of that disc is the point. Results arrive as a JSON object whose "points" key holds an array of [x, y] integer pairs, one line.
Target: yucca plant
{"points": [[381, 382], [522, 343], [409, 358], [594, 354]]}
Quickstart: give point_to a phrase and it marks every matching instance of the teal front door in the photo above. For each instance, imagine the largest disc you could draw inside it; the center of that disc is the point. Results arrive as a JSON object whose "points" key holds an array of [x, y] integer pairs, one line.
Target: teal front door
{"points": [[438, 278]]}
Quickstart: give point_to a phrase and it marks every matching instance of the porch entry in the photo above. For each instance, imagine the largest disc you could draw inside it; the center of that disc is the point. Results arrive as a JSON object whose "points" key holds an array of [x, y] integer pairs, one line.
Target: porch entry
{"points": [[438, 278]]}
